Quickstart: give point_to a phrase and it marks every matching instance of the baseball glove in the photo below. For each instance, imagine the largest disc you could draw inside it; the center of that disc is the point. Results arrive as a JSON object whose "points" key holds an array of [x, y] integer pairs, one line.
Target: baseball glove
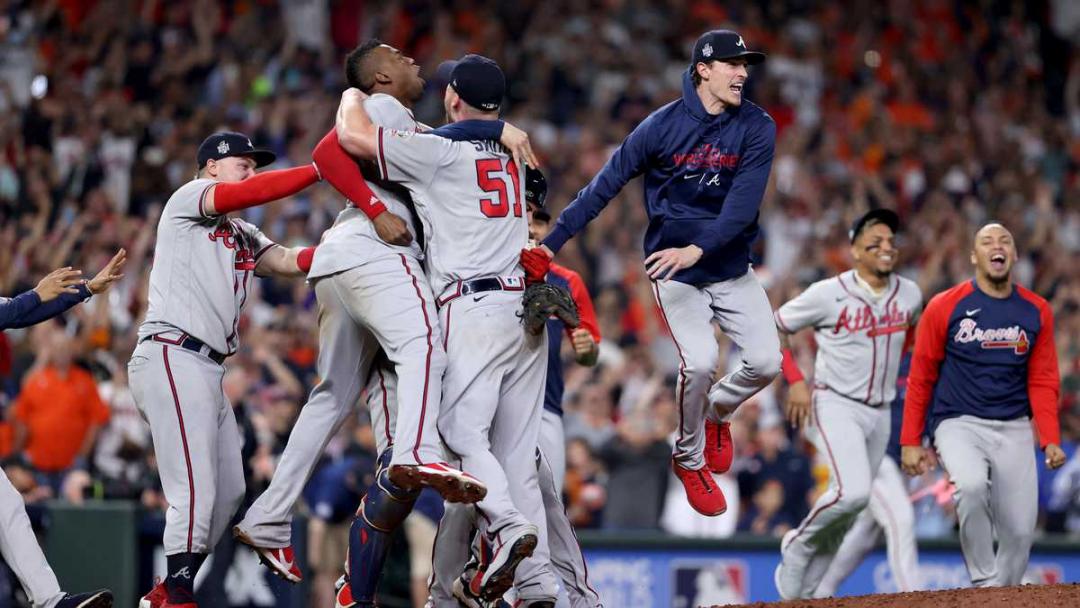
{"points": [[542, 301]]}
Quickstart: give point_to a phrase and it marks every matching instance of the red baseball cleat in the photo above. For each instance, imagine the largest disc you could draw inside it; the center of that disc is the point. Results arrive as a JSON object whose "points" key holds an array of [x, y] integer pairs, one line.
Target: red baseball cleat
{"points": [[719, 451], [453, 485], [159, 598], [344, 598], [281, 562], [701, 490]]}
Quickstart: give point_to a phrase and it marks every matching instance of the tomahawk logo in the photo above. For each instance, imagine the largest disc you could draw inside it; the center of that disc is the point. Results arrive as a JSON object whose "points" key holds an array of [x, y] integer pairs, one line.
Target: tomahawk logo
{"points": [[999, 337]]}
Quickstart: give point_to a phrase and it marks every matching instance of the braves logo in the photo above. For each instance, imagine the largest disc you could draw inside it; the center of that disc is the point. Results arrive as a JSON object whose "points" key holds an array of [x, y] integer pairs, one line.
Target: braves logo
{"points": [[892, 321], [244, 258], [994, 338]]}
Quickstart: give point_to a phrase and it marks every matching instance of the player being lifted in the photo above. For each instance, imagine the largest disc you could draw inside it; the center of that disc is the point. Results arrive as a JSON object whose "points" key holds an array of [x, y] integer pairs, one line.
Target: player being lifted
{"points": [[469, 197], [706, 159], [860, 320]]}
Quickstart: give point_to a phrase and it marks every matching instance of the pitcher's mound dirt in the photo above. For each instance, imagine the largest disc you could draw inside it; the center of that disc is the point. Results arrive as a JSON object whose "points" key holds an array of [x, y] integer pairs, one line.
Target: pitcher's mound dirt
{"points": [[1027, 596]]}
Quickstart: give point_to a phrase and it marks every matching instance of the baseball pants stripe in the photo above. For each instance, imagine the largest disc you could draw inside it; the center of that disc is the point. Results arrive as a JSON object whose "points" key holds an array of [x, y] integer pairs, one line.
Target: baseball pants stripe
{"points": [[21, 552], [214, 481], [345, 357]]}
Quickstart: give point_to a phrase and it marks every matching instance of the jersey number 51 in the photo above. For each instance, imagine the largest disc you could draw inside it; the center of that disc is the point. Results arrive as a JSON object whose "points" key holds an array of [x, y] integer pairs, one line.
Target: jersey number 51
{"points": [[491, 177]]}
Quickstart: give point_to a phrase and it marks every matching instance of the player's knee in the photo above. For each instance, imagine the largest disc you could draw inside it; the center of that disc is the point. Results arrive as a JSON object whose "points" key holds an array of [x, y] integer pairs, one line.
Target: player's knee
{"points": [[701, 363], [763, 365], [970, 487], [854, 500], [386, 505]]}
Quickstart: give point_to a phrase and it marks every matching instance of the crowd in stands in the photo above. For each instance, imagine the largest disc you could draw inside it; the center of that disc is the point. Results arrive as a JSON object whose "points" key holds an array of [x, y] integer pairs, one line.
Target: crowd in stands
{"points": [[951, 113]]}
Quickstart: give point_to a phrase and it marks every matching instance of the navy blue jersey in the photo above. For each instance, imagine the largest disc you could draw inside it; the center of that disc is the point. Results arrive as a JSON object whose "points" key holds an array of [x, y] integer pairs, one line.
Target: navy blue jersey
{"points": [[572, 283], [983, 356], [704, 179], [27, 309]]}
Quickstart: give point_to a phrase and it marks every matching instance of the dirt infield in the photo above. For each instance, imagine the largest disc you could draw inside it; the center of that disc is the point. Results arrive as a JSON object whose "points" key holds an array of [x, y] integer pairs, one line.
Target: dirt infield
{"points": [[1028, 596]]}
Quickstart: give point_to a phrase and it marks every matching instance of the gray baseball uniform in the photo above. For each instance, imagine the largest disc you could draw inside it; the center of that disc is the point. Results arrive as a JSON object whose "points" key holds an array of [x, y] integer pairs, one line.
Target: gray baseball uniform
{"points": [[372, 296], [860, 338], [20, 549], [203, 268], [470, 200]]}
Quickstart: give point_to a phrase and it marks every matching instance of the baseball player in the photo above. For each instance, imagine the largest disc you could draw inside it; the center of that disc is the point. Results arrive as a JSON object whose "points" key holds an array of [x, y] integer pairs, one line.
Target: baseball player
{"points": [[372, 294], [984, 365], [366, 275], [889, 512], [706, 159], [458, 523], [56, 292], [860, 320], [469, 198], [204, 263], [585, 339]]}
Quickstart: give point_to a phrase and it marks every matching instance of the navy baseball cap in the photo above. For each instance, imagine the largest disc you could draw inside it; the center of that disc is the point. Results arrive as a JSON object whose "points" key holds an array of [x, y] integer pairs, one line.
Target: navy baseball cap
{"points": [[479, 81], [882, 216], [718, 45], [229, 143]]}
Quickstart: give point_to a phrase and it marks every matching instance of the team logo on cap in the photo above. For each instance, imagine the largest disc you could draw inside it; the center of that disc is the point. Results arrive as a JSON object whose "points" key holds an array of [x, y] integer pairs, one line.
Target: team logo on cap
{"points": [[740, 43], [706, 50], [223, 147]]}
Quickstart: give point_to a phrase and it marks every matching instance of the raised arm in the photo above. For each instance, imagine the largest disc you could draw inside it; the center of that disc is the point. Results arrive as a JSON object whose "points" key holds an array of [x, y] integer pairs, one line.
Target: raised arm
{"points": [[224, 197], [356, 133], [626, 163]]}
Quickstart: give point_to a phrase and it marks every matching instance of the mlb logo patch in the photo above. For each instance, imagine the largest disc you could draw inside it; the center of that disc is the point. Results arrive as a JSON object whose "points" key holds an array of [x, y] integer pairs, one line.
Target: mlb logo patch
{"points": [[709, 582]]}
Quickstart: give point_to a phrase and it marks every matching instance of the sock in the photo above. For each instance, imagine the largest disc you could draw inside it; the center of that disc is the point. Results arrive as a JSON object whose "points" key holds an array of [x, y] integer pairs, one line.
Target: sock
{"points": [[180, 582]]}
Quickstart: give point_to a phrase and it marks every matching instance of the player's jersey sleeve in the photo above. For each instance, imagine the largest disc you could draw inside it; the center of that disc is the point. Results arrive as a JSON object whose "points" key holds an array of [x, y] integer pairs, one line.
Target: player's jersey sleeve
{"points": [[930, 336], [388, 112], [1044, 380], [258, 242], [412, 158], [188, 200], [808, 309], [586, 312]]}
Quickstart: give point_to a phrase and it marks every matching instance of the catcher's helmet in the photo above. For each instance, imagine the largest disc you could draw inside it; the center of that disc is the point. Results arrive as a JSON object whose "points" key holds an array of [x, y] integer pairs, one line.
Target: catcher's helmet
{"points": [[535, 187]]}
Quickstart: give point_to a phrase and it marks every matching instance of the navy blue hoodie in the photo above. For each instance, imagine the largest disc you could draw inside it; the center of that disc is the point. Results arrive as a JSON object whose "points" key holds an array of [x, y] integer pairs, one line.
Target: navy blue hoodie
{"points": [[705, 176]]}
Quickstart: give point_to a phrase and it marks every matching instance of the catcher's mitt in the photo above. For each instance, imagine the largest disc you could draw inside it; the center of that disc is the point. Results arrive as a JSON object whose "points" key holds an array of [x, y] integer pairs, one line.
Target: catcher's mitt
{"points": [[544, 300]]}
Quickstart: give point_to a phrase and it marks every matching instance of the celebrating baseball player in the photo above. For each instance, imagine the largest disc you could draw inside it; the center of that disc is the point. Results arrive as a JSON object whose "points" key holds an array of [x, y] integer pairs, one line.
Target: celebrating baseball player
{"points": [[860, 320], [457, 525], [889, 512], [469, 198], [984, 365], [55, 293], [204, 263], [373, 295], [706, 159]]}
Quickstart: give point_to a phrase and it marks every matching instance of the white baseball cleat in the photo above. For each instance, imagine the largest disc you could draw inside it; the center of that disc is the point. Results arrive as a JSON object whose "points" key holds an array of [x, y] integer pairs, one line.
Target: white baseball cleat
{"points": [[452, 484]]}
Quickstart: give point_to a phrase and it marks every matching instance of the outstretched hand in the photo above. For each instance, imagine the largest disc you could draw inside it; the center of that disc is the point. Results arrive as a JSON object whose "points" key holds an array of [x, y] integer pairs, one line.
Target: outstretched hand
{"points": [[60, 281], [109, 274], [517, 141]]}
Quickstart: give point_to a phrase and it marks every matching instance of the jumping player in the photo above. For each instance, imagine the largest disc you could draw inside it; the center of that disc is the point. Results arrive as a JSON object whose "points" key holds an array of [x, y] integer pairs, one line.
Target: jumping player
{"points": [[56, 292], [984, 365], [469, 198], [860, 318], [706, 159], [204, 263]]}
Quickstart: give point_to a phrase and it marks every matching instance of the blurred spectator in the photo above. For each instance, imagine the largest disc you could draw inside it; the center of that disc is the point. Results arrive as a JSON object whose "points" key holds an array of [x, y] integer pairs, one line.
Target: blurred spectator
{"points": [[589, 416], [59, 412], [585, 485], [778, 483]]}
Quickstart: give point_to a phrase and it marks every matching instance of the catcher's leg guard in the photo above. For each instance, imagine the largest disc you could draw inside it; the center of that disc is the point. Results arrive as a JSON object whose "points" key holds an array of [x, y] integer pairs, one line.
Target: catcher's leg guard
{"points": [[381, 511]]}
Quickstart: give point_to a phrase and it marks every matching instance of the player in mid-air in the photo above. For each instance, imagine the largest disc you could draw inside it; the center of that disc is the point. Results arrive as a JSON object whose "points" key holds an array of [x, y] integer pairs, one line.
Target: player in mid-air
{"points": [[984, 365], [56, 292], [706, 159], [469, 197], [861, 319], [204, 263]]}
